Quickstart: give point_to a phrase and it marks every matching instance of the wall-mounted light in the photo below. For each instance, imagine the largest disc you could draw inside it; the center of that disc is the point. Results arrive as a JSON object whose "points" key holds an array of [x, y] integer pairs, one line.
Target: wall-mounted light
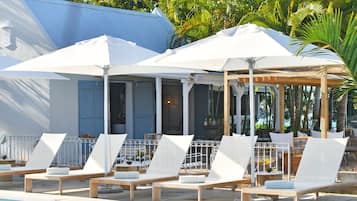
{"points": [[170, 101], [5, 34]]}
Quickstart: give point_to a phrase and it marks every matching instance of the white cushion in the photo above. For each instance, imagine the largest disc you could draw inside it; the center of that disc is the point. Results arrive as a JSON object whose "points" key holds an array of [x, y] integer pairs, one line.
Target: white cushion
{"points": [[192, 179], [57, 171], [5, 167], [126, 175], [278, 184]]}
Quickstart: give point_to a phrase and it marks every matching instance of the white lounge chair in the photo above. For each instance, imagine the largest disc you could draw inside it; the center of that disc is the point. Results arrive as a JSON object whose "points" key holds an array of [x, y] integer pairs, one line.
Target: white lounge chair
{"points": [[279, 138], [41, 157], [94, 167], [228, 168], [317, 134], [165, 165], [317, 170]]}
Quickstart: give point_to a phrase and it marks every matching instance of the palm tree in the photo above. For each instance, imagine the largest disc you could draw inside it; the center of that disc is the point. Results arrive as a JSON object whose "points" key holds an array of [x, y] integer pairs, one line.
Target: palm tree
{"points": [[328, 31], [283, 15], [287, 16]]}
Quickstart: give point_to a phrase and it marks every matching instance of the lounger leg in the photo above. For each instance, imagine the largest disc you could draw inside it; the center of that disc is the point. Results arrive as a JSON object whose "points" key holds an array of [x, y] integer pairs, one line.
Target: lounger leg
{"points": [[60, 186], [132, 192], [156, 193], [316, 195], [296, 198], [93, 189], [28, 185], [245, 196], [199, 195]]}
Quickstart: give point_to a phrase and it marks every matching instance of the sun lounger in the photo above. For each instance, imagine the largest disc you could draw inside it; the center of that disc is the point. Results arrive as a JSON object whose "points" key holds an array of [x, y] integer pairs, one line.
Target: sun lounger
{"points": [[41, 157], [165, 165], [228, 168], [94, 167], [317, 170], [317, 134]]}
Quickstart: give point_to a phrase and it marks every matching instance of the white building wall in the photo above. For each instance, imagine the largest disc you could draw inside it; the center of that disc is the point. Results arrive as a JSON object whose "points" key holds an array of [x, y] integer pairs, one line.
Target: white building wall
{"points": [[64, 115], [24, 107], [30, 107]]}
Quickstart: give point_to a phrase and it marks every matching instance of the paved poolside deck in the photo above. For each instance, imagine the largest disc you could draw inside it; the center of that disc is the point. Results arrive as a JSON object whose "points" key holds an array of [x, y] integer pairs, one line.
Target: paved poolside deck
{"points": [[78, 191]]}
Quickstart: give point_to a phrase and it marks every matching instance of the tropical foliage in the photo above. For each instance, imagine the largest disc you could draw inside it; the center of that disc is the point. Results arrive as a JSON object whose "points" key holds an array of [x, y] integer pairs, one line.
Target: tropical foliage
{"points": [[327, 30], [339, 34]]}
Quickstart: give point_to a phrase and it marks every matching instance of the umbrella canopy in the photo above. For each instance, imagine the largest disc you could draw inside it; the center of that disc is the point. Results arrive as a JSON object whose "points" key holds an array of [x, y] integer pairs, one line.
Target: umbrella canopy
{"points": [[94, 57], [229, 49], [244, 47], [6, 61]]}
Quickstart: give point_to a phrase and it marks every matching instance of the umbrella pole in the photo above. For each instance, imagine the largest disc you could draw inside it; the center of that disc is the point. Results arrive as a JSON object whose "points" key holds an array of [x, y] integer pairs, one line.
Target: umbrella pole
{"points": [[106, 97], [106, 121], [251, 63]]}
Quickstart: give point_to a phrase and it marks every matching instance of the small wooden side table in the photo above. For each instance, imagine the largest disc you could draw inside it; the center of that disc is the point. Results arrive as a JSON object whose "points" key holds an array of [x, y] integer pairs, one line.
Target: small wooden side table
{"points": [[4, 162], [265, 176]]}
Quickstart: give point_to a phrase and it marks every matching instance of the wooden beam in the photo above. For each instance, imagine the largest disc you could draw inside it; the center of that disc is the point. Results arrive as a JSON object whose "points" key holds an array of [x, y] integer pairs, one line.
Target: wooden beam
{"points": [[281, 107], [291, 81], [226, 104], [324, 104], [306, 74]]}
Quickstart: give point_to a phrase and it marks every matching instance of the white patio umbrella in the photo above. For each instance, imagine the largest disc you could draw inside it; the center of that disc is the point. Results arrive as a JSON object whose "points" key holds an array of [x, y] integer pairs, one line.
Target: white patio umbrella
{"points": [[244, 47], [102, 56]]}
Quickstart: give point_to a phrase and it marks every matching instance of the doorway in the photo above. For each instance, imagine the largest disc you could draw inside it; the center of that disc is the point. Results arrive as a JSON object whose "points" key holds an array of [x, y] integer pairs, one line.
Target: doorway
{"points": [[118, 107], [172, 107]]}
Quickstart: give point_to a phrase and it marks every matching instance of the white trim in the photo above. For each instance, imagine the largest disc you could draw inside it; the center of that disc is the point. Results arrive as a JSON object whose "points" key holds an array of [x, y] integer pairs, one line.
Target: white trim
{"points": [[186, 88], [129, 110], [158, 88], [238, 92]]}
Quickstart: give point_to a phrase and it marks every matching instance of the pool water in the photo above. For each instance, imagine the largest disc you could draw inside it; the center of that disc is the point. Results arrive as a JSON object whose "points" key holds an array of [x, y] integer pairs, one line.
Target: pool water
{"points": [[3, 199]]}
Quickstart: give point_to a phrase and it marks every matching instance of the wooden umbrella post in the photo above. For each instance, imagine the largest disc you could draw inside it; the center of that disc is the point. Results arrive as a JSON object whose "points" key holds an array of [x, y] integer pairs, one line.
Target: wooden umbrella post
{"points": [[281, 107], [226, 104], [324, 104]]}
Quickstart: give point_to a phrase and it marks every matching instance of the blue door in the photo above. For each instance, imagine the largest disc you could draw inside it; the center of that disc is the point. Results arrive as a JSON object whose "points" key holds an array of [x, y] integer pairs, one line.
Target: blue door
{"points": [[144, 108], [91, 107]]}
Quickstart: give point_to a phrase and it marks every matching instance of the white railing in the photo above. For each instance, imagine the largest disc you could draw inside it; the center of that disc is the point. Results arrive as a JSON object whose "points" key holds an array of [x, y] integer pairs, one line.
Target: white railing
{"points": [[75, 151]]}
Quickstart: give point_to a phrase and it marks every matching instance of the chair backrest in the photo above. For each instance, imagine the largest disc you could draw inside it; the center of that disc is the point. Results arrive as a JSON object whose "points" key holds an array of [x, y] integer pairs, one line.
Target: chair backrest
{"points": [[282, 138], [335, 134], [301, 134], [2, 139], [45, 150], [317, 134], [232, 158], [170, 154], [107, 149], [321, 160]]}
